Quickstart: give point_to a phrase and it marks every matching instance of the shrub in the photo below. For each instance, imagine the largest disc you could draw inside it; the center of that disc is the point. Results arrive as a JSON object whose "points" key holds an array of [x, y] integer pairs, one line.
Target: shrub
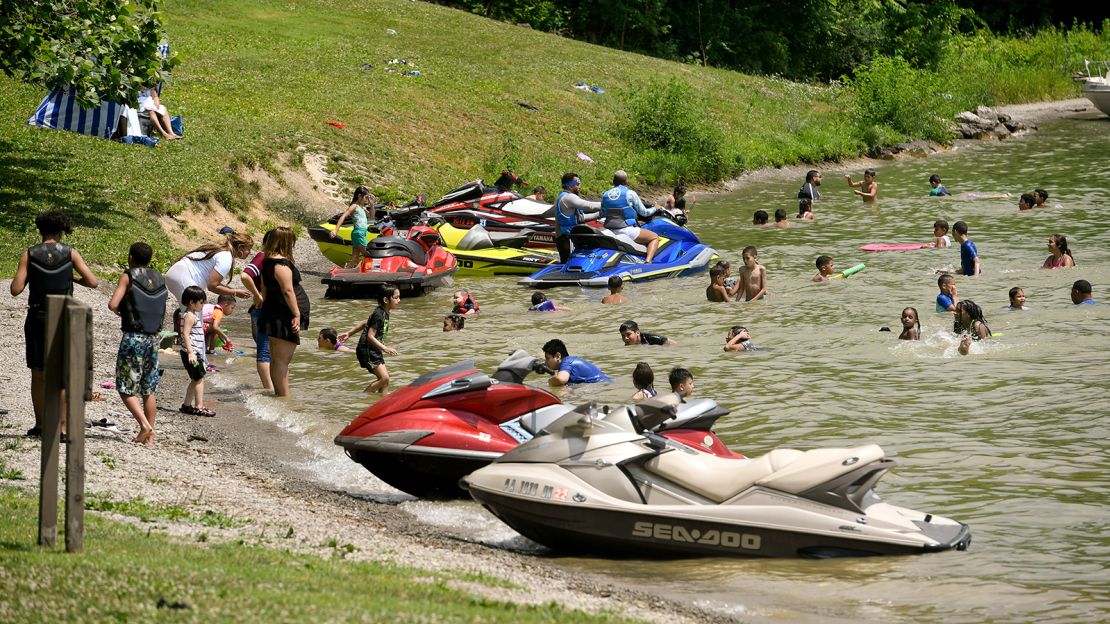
{"points": [[668, 120], [896, 101]]}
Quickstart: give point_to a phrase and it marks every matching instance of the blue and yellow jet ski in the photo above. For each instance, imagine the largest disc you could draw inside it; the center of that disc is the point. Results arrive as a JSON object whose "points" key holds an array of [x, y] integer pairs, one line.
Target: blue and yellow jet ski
{"points": [[599, 254]]}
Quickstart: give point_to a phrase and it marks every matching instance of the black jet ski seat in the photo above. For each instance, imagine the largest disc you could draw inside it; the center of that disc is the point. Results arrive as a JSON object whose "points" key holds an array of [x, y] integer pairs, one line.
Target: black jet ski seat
{"points": [[389, 246], [586, 237]]}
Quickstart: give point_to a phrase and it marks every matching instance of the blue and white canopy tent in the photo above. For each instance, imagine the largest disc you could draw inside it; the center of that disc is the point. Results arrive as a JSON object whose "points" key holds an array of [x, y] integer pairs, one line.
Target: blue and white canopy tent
{"points": [[59, 110]]}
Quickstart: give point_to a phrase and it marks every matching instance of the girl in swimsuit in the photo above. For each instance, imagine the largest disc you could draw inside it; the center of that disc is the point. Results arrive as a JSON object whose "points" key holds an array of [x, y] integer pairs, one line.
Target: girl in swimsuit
{"points": [[1061, 257]]}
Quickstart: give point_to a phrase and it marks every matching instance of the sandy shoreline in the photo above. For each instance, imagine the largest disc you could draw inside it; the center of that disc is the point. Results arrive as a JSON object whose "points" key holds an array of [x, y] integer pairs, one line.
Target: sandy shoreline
{"points": [[241, 466]]}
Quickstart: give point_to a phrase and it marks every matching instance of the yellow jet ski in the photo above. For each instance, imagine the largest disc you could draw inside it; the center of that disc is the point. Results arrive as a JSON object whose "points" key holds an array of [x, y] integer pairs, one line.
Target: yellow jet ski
{"points": [[389, 222], [483, 253]]}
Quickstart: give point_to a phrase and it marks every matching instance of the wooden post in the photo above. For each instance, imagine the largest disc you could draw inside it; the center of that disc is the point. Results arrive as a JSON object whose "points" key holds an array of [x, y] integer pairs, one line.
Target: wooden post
{"points": [[52, 419], [78, 325]]}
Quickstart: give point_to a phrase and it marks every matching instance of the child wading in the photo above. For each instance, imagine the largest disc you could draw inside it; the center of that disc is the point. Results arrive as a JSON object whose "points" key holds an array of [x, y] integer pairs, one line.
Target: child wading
{"points": [[140, 302], [371, 347], [192, 352]]}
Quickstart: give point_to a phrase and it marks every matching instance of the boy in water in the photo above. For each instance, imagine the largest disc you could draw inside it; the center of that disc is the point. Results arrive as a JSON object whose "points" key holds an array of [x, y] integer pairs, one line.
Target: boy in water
{"points": [[464, 303], [937, 189], [969, 254], [805, 210], [780, 219], [825, 268], [868, 188], [631, 335], [738, 339], [682, 382], [569, 369], [1040, 196], [940, 234], [1027, 202], [716, 291], [759, 218], [616, 285], [947, 299], [753, 276]]}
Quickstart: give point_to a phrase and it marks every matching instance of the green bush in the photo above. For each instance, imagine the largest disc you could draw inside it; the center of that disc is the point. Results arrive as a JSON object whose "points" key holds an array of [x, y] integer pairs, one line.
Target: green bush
{"points": [[894, 101], [671, 125]]}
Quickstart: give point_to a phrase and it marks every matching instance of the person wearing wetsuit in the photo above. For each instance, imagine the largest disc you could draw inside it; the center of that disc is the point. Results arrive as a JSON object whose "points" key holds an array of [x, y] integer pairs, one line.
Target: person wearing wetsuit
{"points": [[631, 335], [568, 368], [620, 206], [571, 210], [47, 269]]}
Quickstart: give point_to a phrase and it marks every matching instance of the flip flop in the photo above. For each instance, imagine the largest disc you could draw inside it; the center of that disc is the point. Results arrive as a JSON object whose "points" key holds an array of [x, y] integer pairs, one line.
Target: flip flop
{"points": [[96, 396]]}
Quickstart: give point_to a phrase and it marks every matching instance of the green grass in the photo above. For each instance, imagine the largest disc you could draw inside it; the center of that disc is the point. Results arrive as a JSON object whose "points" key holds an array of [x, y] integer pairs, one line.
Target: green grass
{"points": [[259, 79], [124, 573], [148, 511]]}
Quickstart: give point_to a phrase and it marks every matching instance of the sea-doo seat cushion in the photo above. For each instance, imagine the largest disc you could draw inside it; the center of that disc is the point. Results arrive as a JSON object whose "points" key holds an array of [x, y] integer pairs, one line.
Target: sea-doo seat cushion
{"points": [[535, 421], [389, 246], [718, 478], [529, 208], [818, 466]]}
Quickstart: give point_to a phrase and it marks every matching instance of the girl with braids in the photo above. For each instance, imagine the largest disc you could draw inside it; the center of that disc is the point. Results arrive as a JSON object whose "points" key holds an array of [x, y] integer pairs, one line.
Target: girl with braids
{"points": [[969, 321], [911, 325], [1060, 256], [360, 220]]}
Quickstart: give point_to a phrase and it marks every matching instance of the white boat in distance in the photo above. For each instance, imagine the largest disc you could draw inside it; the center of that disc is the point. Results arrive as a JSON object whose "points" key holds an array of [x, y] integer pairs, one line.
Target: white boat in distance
{"points": [[1096, 84]]}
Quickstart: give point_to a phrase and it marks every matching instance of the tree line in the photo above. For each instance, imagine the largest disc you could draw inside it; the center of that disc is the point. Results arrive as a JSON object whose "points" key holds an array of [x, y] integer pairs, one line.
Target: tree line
{"points": [[797, 39]]}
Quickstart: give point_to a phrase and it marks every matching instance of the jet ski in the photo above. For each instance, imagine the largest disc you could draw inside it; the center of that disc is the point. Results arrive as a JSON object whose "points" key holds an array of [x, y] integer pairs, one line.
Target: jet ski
{"points": [[388, 222], [416, 264], [481, 252], [599, 254], [424, 437], [601, 480]]}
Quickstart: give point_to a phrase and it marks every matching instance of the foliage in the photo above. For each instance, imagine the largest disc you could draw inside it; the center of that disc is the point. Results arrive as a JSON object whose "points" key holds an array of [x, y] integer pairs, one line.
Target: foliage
{"points": [[127, 574], [149, 511], [801, 39], [896, 101], [105, 50], [671, 127]]}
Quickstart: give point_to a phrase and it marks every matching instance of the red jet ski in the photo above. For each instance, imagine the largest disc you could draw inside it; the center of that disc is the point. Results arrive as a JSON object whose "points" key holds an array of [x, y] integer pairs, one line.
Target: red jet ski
{"points": [[417, 264], [425, 436], [499, 209]]}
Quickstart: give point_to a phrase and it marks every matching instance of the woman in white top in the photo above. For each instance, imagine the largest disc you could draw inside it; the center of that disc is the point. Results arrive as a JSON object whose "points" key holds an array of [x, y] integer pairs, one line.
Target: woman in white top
{"points": [[208, 266]]}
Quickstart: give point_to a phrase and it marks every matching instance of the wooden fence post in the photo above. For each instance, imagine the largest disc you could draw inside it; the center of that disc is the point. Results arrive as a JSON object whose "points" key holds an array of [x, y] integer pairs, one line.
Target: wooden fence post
{"points": [[52, 420], [78, 325]]}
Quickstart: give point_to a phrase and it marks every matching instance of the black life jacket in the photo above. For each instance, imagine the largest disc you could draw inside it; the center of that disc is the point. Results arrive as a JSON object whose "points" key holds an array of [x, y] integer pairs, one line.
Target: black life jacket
{"points": [[49, 272], [144, 305]]}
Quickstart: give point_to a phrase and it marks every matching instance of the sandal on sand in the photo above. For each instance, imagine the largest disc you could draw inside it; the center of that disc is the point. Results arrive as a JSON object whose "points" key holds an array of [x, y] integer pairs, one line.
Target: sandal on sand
{"points": [[188, 409], [34, 432], [204, 411]]}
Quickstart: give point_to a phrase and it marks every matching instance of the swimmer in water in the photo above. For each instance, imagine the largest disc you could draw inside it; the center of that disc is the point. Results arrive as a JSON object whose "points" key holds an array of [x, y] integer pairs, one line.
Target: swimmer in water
{"points": [[911, 325], [868, 188], [937, 189], [825, 269]]}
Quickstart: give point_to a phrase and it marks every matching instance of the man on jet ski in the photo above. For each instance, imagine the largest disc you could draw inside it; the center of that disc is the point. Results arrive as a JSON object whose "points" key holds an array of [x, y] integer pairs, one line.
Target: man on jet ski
{"points": [[620, 206], [570, 210]]}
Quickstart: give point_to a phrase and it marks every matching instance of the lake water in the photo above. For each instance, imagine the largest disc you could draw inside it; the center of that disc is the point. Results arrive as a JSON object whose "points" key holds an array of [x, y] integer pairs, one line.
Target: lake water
{"points": [[1011, 439]]}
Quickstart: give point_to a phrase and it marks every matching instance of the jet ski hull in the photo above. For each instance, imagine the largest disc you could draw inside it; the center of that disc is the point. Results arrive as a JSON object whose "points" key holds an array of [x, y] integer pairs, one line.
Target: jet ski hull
{"points": [[629, 271], [424, 472], [564, 513], [573, 528]]}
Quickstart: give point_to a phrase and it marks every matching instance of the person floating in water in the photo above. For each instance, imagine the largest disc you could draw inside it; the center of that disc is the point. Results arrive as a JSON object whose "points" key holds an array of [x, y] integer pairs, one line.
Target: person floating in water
{"points": [[868, 188], [540, 303], [631, 335]]}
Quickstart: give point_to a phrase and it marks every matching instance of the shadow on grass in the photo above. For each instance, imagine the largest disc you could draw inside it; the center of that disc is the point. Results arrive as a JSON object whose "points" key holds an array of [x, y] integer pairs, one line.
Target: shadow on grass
{"points": [[31, 182]]}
